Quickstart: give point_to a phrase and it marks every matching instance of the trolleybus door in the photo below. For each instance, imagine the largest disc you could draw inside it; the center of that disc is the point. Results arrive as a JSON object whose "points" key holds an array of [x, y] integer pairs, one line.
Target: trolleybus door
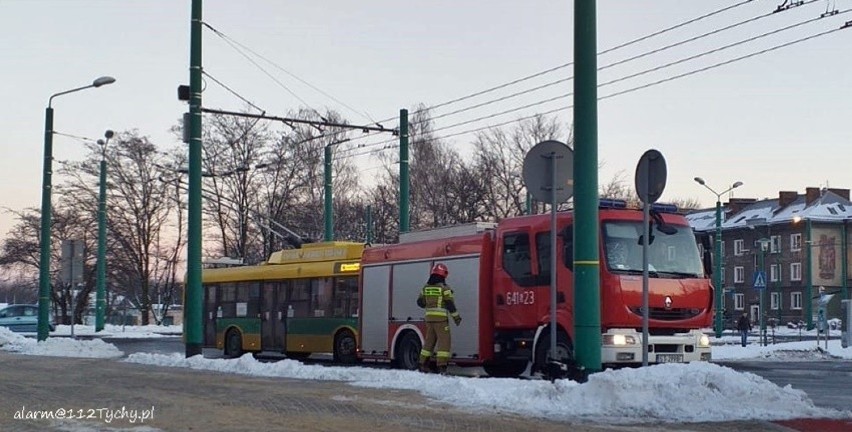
{"points": [[210, 315], [273, 317]]}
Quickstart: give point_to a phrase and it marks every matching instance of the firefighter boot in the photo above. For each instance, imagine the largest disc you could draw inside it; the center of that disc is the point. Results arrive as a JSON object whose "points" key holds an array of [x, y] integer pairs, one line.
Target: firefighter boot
{"points": [[442, 370], [424, 367]]}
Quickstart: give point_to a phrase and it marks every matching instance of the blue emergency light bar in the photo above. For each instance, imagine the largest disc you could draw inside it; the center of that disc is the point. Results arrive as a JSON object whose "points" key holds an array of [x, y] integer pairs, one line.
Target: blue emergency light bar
{"points": [[610, 203], [664, 208]]}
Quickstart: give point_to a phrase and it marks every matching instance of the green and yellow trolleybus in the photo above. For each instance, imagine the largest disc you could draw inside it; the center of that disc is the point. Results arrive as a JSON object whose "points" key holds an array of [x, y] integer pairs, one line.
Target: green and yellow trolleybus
{"points": [[302, 301]]}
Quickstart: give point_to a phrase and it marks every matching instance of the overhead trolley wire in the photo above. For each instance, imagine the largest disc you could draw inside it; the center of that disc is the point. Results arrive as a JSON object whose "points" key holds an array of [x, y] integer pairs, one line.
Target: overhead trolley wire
{"points": [[234, 44], [606, 51], [620, 62], [632, 89]]}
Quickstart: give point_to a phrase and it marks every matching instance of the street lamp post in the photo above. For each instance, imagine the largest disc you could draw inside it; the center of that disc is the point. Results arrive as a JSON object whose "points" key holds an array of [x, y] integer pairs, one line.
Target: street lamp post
{"points": [[717, 255], [47, 176], [100, 303]]}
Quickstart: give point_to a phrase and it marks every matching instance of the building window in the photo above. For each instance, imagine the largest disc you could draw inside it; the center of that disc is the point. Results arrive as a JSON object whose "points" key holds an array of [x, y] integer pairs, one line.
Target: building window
{"points": [[739, 274], [738, 247], [796, 271], [775, 301], [739, 301], [796, 300], [774, 272], [795, 242], [775, 244]]}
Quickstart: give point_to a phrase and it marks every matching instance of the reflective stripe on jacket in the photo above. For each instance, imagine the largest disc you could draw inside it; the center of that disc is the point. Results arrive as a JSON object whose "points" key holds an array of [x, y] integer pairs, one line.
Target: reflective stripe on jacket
{"points": [[438, 302]]}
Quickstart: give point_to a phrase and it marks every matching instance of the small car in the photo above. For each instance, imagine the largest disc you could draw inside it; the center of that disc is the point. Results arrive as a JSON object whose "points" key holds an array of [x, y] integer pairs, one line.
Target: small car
{"points": [[21, 318]]}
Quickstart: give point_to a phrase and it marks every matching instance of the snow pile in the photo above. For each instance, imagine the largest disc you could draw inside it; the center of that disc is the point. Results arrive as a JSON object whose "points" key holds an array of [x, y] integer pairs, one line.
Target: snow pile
{"points": [[788, 351], [57, 347], [119, 332], [668, 393]]}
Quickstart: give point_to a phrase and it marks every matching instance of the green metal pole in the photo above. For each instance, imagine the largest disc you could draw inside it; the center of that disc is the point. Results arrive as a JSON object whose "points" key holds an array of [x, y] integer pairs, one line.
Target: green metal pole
{"points": [[328, 210], [44, 259], [809, 290], [587, 300], [529, 204], [403, 172], [844, 270], [369, 224], [100, 303], [717, 276], [194, 296]]}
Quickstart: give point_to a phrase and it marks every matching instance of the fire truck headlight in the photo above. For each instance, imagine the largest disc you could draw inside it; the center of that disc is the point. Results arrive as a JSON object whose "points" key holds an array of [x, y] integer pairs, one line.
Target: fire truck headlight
{"points": [[619, 339], [704, 341]]}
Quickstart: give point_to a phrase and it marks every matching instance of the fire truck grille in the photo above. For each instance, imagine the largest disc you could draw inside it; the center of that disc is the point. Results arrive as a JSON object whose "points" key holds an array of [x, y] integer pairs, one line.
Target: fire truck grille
{"points": [[664, 314]]}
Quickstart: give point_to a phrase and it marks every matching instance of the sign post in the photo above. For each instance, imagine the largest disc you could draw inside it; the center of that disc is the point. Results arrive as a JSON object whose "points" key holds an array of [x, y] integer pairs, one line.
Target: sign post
{"points": [[548, 175], [650, 181]]}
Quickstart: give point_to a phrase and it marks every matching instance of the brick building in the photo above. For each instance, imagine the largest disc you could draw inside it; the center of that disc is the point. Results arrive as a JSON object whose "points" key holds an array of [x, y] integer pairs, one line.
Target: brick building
{"points": [[799, 242]]}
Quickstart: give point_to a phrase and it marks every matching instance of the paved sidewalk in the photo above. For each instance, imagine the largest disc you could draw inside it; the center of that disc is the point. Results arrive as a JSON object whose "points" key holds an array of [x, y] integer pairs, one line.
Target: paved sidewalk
{"points": [[187, 400]]}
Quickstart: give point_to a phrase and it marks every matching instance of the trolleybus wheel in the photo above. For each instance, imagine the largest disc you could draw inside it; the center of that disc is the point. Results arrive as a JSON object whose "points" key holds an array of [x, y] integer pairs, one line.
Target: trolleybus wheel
{"points": [[408, 351], [345, 347], [233, 344], [506, 369]]}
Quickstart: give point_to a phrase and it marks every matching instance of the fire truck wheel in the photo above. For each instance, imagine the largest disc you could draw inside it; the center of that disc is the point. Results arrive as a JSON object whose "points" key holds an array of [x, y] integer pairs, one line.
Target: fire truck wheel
{"points": [[564, 350], [408, 351], [233, 344], [344, 347], [507, 369]]}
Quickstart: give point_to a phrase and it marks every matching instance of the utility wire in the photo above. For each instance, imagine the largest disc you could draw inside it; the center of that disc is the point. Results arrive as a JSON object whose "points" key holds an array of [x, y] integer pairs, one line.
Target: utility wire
{"points": [[257, 65], [620, 62], [233, 92], [727, 62], [234, 44], [76, 137], [637, 74], [606, 51], [715, 50], [630, 90]]}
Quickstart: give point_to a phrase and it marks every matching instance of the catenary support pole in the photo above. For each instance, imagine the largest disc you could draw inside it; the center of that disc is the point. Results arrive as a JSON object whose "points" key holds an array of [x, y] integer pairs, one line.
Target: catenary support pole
{"points": [[587, 301], [193, 304]]}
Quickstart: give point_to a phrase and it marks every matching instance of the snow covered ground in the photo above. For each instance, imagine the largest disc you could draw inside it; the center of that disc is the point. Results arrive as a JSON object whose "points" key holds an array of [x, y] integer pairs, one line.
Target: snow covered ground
{"points": [[117, 331], [662, 393]]}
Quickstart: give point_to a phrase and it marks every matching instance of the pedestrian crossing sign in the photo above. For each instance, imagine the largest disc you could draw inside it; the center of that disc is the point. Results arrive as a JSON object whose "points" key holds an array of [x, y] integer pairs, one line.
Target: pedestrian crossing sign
{"points": [[759, 280]]}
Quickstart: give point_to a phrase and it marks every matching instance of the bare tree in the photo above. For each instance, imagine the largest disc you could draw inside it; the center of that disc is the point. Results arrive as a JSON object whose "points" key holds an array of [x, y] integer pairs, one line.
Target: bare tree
{"points": [[142, 248], [499, 160]]}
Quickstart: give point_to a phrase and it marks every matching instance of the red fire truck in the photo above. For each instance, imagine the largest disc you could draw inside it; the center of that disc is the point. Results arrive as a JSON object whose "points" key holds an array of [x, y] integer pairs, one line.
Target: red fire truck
{"points": [[500, 274]]}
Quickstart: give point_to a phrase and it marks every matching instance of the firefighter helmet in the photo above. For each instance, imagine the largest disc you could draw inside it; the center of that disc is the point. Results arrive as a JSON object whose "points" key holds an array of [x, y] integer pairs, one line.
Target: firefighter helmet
{"points": [[440, 269]]}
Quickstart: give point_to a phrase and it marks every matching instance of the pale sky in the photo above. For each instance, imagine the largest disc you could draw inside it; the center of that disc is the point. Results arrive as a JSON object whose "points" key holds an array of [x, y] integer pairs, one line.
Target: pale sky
{"points": [[774, 121]]}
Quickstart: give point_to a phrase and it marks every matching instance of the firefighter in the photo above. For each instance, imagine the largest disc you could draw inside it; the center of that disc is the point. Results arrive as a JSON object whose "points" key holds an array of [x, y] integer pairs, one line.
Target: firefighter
{"points": [[437, 298]]}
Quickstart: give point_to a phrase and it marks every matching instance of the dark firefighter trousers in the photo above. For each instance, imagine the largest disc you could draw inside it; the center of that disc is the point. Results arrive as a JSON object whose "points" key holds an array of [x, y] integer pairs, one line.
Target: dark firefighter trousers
{"points": [[437, 341]]}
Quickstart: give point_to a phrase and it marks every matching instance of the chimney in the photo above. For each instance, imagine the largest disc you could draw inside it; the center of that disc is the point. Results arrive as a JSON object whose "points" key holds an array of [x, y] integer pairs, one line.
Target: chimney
{"points": [[736, 205], [786, 198], [843, 193], [811, 195]]}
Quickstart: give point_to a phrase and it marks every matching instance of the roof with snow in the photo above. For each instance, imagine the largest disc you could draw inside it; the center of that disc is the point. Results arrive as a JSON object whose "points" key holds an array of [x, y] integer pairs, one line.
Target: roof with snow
{"points": [[829, 207]]}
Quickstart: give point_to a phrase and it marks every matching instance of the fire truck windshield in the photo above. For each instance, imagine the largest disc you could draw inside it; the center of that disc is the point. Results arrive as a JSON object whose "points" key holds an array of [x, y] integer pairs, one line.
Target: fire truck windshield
{"points": [[669, 255]]}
